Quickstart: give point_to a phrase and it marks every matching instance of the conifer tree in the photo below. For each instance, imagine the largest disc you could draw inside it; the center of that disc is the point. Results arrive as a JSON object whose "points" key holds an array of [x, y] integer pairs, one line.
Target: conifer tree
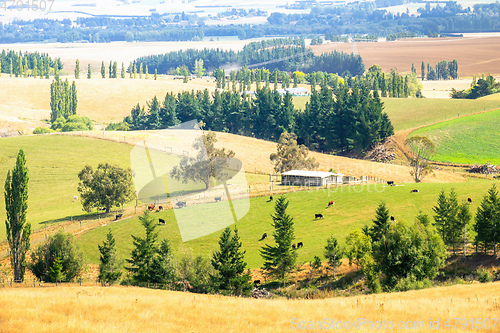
{"points": [[487, 221], [16, 206], [109, 267], [380, 223], [11, 69], [77, 69], [279, 259], [103, 70], [333, 253], [441, 210], [229, 263]]}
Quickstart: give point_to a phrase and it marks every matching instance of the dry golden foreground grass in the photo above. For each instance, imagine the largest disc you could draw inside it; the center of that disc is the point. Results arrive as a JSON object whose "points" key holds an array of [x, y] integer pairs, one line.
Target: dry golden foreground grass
{"points": [[122, 309], [475, 53]]}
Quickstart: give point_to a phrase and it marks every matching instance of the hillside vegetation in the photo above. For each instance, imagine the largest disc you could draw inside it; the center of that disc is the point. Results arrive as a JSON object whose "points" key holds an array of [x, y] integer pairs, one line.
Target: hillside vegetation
{"points": [[468, 140], [120, 309]]}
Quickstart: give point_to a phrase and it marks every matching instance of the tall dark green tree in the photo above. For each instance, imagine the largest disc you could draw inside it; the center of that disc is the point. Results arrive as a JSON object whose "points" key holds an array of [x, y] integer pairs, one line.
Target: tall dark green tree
{"points": [[103, 70], [89, 72], [122, 73], [422, 69], [109, 266], [229, 263], [333, 253], [77, 69], [487, 221], [115, 70], [380, 223], [447, 220], [280, 258], [16, 206]]}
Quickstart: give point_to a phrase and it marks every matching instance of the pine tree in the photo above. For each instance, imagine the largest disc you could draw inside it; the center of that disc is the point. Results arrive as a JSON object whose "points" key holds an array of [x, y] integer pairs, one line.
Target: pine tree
{"points": [[122, 74], [77, 69], [454, 225], [333, 253], [229, 263], [109, 267], [89, 72], [441, 210], [103, 70], [464, 217], [279, 260], [16, 206], [487, 220], [381, 222]]}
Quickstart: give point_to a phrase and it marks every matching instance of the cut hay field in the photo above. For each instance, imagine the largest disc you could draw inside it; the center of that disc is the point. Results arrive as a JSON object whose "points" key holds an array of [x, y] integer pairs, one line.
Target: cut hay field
{"points": [[475, 54], [354, 207], [121, 309], [468, 140]]}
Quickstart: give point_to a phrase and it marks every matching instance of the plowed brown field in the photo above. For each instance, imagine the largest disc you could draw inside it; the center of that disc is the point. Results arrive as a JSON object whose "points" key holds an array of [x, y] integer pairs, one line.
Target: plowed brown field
{"points": [[475, 54]]}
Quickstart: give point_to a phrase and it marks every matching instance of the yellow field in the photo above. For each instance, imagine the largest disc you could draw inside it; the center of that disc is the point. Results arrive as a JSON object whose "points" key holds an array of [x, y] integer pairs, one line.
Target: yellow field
{"points": [[121, 309]]}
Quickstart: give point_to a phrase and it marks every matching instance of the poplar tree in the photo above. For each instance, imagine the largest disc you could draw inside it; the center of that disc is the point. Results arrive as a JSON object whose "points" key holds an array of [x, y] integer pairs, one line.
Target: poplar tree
{"points": [[110, 73], [115, 70], [123, 71], [103, 70], [89, 72], [16, 206], [77, 69], [279, 259], [140, 71], [422, 68], [147, 72], [156, 74], [130, 70], [135, 71]]}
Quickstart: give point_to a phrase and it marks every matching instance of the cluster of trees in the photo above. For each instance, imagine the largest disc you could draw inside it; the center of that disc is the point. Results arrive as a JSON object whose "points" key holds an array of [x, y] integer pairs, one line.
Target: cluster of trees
{"points": [[285, 54], [353, 119], [400, 35], [63, 99], [27, 64], [444, 70], [479, 88]]}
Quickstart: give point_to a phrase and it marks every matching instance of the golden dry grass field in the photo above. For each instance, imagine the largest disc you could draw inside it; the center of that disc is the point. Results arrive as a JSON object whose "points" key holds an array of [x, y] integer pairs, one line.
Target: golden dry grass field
{"points": [[477, 53], [122, 309]]}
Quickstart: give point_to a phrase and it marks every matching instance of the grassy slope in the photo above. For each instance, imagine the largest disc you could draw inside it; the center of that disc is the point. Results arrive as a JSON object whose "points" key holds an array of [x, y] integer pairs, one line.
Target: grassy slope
{"points": [[472, 139], [121, 309], [410, 113], [355, 207], [54, 162]]}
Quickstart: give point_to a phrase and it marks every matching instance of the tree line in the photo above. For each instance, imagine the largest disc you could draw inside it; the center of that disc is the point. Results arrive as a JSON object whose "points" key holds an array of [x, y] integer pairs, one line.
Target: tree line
{"points": [[483, 86], [32, 64], [340, 119], [444, 70]]}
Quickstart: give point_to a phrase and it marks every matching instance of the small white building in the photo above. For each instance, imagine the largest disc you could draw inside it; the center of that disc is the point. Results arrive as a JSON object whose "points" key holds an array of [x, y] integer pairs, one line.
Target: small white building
{"points": [[310, 178]]}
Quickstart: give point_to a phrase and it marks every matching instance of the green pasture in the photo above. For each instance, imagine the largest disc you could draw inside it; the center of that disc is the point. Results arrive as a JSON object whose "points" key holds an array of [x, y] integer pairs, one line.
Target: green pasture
{"points": [[354, 207], [54, 162], [468, 140]]}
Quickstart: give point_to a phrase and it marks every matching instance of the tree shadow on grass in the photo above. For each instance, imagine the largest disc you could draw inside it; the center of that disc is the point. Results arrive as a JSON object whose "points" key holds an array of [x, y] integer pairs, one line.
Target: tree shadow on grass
{"points": [[81, 217]]}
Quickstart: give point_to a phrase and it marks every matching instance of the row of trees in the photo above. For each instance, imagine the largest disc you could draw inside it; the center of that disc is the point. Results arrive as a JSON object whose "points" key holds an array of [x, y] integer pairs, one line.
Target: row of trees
{"points": [[63, 99], [28, 64], [444, 70], [353, 119]]}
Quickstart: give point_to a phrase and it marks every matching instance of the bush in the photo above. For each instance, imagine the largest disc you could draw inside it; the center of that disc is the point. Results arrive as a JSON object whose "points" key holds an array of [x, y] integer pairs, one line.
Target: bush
{"points": [[42, 130], [73, 123], [118, 127], [484, 275], [411, 283], [59, 259]]}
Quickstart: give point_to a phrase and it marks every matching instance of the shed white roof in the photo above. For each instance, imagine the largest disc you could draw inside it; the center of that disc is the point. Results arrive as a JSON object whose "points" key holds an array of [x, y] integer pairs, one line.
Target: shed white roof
{"points": [[307, 173]]}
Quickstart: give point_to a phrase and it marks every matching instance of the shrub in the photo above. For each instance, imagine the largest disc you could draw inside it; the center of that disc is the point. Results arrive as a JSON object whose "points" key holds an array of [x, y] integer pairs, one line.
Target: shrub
{"points": [[59, 259], [484, 275], [411, 283], [42, 130]]}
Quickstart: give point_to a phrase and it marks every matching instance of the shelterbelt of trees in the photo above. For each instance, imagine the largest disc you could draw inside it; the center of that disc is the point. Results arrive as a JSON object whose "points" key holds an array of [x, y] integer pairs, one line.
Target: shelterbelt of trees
{"points": [[354, 119], [285, 54], [357, 18], [28, 64]]}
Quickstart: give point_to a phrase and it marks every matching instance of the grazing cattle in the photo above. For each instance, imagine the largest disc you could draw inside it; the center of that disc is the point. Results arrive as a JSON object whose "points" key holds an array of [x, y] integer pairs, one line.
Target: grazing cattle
{"points": [[392, 218], [414, 191], [102, 208], [161, 221], [299, 245], [119, 216], [151, 207], [270, 199], [331, 203], [318, 216], [469, 201], [217, 199], [264, 236], [160, 208], [256, 282], [293, 246], [390, 182], [181, 204]]}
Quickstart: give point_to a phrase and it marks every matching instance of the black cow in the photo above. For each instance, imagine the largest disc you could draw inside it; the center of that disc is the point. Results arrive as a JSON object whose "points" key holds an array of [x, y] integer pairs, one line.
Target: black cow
{"points": [[181, 204], [256, 282], [299, 245], [414, 191], [390, 182], [160, 208], [217, 199], [264, 235], [161, 221], [119, 216], [318, 216], [392, 218], [270, 199], [293, 246], [469, 201]]}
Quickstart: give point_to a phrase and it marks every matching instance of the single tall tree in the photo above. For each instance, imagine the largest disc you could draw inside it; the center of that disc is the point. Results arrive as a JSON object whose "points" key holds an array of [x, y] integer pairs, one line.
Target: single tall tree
{"points": [[380, 223], [487, 224], [333, 253], [279, 259], [16, 206], [422, 150], [290, 156], [122, 73], [357, 246], [229, 263], [77, 69], [103, 70], [422, 68], [89, 72], [109, 267]]}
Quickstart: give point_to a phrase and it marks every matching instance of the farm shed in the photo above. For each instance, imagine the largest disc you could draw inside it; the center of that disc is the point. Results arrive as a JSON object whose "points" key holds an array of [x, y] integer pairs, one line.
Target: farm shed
{"points": [[310, 178]]}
